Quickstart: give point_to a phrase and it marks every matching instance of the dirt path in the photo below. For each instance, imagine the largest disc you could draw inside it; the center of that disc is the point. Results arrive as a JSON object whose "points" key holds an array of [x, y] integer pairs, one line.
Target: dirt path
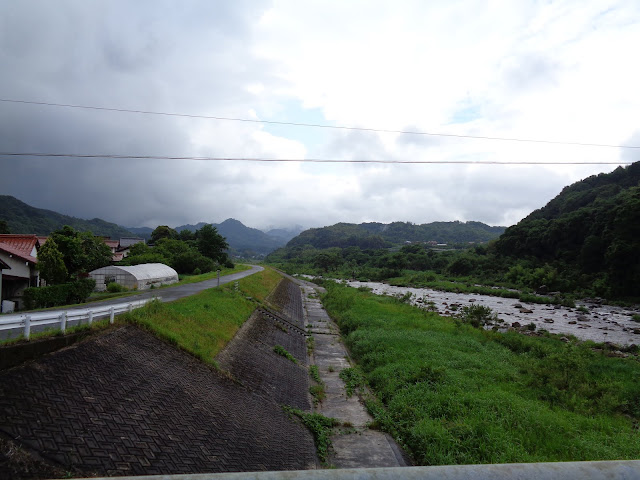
{"points": [[356, 446]]}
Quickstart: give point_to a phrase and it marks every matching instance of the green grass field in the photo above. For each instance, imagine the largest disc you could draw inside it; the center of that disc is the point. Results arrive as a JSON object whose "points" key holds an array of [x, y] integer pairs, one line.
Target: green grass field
{"points": [[453, 394], [204, 323]]}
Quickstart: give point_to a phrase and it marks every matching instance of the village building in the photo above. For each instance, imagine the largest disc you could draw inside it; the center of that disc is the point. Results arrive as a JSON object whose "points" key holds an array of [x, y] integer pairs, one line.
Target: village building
{"points": [[18, 259]]}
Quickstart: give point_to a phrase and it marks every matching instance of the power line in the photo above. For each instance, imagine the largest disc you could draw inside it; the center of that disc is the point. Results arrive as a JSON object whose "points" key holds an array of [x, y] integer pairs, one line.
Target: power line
{"points": [[317, 125], [295, 160]]}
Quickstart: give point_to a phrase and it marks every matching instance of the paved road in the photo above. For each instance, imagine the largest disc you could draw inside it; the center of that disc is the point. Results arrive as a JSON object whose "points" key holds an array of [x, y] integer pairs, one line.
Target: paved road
{"points": [[167, 294]]}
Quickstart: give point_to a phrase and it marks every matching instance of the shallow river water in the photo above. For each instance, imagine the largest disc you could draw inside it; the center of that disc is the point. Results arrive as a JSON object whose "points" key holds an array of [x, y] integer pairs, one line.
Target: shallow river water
{"points": [[602, 323]]}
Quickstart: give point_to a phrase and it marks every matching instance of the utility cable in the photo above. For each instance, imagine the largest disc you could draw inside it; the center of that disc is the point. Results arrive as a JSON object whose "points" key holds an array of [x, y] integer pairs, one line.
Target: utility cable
{"points": [[317, 125], [298, 160]]}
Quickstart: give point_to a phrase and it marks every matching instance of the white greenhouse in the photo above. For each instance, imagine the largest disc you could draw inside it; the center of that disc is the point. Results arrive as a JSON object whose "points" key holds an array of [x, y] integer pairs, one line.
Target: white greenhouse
{"points": [[135, 277]]}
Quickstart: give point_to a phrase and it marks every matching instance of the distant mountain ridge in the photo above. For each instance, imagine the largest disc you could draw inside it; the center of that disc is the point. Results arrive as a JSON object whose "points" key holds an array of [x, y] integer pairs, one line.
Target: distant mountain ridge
{"points": [[379, 235], [23, 218]]}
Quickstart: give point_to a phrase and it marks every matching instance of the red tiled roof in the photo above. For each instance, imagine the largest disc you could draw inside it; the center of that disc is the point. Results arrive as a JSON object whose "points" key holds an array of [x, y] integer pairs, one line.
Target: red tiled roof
{"points": [[19, 245], [112, 243]]}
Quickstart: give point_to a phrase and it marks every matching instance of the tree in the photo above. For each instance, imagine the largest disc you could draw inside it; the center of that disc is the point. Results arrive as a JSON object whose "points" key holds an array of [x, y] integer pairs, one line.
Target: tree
{"points": [[186, 235], [51, 263], [96, 253], [211, 244], [4, 227], [81, 252], [163, 231]]}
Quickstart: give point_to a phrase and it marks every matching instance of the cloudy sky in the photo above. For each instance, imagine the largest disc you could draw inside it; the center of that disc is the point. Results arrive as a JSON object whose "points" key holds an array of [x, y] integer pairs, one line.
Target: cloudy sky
{"points": [[559, 71]]}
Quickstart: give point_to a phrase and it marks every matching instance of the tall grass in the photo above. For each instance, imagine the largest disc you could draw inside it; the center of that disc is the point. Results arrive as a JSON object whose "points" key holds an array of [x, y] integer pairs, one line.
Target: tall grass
{"points": [[204, 323], [453, 394]]}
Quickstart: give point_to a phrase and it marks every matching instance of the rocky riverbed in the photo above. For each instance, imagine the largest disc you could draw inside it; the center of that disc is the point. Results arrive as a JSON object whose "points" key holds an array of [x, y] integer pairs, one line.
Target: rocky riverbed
{"points": [[600, 323]]}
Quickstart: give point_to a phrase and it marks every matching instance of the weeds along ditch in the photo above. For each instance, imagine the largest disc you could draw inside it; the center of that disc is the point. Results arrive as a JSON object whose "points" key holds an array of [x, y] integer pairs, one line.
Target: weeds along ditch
{"points": [[454, 394], [204, 323]]}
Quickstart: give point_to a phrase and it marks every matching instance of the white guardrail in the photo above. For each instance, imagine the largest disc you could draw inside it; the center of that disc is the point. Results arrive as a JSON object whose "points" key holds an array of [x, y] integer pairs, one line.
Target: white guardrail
{"points": [[26, 321]]}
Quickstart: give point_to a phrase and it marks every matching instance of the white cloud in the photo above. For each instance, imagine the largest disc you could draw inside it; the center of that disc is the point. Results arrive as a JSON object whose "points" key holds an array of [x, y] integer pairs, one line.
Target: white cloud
{"points": [[543, 70]]}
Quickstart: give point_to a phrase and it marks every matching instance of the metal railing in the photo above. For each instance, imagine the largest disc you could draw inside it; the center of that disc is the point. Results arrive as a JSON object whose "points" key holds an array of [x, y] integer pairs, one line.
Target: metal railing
{"points": [[27, 321], [611, 470]]}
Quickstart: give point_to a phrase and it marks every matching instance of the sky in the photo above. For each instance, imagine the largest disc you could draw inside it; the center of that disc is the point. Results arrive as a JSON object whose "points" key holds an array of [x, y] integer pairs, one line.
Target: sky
{"points": [[556, 71]]}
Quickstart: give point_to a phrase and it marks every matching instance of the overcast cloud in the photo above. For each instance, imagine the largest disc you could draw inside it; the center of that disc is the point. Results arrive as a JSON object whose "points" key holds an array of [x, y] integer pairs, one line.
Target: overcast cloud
{"points": [[561, 71]]}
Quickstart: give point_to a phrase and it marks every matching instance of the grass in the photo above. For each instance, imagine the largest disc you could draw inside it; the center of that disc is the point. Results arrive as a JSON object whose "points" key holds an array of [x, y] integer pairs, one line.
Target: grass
{"points": [[203, 324], [314, 373], [454, 394], [317, 391], [320, 426], [353, 380], [280, 350]]}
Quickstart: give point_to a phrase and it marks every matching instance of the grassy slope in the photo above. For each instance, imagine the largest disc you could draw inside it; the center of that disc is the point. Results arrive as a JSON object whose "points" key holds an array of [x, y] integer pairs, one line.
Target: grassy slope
{"points": [[204, 323], [455, 395]]}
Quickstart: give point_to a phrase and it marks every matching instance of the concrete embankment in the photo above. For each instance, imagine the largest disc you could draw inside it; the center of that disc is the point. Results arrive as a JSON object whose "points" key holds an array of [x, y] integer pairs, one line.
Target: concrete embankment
{"points": [[126, 403]]}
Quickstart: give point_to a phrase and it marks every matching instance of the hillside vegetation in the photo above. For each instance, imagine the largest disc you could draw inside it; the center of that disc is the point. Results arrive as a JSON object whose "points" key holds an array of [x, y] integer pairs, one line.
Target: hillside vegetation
{"points": [[378, 235], [590, 232], [25, 219]]}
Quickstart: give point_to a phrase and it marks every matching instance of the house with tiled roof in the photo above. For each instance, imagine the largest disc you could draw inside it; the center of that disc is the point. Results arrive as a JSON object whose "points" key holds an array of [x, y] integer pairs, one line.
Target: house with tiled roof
{"points": [[18, 258]]}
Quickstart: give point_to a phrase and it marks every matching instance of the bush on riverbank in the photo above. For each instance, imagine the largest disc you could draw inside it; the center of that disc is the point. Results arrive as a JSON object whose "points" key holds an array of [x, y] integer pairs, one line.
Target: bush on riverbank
{"points": [[453, 394]]}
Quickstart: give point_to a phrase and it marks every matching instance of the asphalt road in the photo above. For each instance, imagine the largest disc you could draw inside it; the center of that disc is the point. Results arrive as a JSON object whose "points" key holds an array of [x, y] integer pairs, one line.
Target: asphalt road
{"points": [[166, 294]]}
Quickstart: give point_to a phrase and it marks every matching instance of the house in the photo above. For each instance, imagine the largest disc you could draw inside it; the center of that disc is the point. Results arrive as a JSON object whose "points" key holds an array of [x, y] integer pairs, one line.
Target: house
{"points": [[18, 255], [124, 246]]}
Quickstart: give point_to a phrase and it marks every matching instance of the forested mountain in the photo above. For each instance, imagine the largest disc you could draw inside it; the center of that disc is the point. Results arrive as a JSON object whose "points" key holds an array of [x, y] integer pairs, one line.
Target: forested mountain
{"points": [[591, 229], [142, 232], [379, 235], [284, 234], [243, 240], [23, 218]]}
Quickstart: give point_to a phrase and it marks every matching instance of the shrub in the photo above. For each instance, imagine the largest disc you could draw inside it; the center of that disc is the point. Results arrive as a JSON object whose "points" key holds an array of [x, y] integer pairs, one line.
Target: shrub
{"points": [[114, 287], [56, 295], [477, 315]]}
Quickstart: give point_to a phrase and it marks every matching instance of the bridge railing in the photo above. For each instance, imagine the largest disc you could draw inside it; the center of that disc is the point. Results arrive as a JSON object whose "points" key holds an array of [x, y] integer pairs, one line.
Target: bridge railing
{"points": [[27, 321], [609, 470]]}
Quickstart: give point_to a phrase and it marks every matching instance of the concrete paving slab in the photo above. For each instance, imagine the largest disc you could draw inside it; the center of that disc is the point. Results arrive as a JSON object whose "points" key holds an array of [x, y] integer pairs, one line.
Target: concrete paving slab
{"points": [[356, 446], [370, 447]]}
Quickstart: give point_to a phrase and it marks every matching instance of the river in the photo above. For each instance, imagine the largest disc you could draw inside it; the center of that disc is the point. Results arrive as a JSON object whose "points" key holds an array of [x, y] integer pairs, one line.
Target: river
{"points": [[601, 323]]}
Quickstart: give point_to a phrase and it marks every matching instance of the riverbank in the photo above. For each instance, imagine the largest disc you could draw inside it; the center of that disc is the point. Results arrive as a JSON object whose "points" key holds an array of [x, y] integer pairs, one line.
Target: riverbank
{"points": [[454, 394], [588, 321]]}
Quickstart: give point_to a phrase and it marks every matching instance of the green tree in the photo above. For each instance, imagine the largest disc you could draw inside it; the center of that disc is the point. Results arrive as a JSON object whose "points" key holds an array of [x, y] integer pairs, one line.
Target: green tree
{"points": [[211, 244], [4, 227], [96, 253], [81, 252], [163, 231], [186, 235], [51, 263]]}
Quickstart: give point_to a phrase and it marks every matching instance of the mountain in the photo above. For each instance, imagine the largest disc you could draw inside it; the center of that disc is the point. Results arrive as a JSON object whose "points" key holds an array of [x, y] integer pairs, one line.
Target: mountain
{"points": [[23, 218], [590, 232], [142, 232], [285, 234], [379, 235], [242, 240]]}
